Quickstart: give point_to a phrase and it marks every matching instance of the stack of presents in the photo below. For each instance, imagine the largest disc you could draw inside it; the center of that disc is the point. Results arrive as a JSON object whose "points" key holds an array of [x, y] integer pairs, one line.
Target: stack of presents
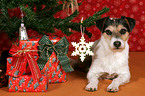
{"points": [[37, 62]]}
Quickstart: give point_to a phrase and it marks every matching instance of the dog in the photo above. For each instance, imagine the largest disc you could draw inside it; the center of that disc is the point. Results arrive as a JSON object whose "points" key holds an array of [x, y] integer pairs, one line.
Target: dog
{"points": [[110, 60]]}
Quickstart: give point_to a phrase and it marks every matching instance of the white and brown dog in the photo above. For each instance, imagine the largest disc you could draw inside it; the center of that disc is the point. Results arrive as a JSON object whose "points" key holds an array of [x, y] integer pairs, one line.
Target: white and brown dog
{"points": [[111, 53]]}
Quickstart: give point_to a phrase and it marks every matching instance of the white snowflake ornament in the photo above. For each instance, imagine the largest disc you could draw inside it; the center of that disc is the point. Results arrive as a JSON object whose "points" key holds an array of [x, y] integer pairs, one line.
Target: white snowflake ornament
{"points": [[82, 48]]}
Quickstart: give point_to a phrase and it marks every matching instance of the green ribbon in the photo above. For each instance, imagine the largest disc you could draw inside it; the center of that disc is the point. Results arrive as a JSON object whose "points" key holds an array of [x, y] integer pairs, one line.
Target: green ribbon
{"points": [[46, 48]]}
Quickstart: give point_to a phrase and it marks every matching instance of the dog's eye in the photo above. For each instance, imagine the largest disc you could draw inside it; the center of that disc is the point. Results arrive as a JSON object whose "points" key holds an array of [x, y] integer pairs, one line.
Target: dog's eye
{"points": [[108, 32], [123, 31]]}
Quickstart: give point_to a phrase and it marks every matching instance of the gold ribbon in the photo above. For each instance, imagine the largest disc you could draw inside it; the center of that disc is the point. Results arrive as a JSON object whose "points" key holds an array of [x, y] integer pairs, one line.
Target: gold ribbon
{"points": [[24, 51], [16, 63]]}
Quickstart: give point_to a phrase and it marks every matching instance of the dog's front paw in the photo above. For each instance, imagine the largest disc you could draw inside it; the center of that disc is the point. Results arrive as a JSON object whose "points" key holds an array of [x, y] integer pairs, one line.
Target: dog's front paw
{"points": [[91, 87], [112, 88]]}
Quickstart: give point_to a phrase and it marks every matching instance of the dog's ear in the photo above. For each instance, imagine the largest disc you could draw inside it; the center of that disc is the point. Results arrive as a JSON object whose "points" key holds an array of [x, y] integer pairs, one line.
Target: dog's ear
{"points": [[100, 23], [130, 22]]}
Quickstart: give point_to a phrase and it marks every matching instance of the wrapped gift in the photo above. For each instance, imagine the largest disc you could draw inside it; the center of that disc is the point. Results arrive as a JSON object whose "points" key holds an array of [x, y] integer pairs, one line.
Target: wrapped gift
{"points": [[24, 57], [26, 83], [17, 50], [53, 58]]}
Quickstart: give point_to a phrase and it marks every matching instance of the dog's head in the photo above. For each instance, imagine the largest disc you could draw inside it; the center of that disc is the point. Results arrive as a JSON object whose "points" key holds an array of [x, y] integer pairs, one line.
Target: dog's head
{"points": [[116, 31]]}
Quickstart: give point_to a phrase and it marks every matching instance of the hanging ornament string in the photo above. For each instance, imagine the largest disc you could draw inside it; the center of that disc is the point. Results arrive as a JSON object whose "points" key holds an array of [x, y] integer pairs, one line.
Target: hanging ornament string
{"points": [[82, 28], [22, 16], [82, 48]]}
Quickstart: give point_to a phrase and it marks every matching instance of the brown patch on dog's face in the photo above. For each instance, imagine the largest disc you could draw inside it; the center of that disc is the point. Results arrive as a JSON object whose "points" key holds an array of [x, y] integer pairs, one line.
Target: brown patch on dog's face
{"points": [[125, 36], [115, 31], [116, 36]]}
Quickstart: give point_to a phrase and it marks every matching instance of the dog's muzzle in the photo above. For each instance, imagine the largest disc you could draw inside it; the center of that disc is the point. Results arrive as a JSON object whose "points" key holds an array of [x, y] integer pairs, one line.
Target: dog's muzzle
{"points": [[117, 44]]}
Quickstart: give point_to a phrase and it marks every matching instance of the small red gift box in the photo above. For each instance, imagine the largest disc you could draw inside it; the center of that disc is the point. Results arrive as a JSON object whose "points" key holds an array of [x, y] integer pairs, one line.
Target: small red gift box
{"points": [[20, 61], [53, 68], [25, 45], [18, 82], [26, 83], [54, 71]]}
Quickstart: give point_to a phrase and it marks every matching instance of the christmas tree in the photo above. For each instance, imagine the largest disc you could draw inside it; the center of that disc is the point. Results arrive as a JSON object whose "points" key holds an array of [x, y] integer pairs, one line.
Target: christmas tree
{"points": [[39, 16]]}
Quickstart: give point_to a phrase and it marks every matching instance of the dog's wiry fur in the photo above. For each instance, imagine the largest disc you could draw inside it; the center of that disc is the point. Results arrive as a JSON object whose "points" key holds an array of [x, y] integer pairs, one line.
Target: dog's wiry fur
{"points": [[111, 53]]}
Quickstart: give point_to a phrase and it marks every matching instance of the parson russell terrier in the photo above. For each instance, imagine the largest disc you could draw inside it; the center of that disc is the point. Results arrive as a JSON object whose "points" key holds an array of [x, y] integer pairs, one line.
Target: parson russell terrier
{"points": [[110, 60]]}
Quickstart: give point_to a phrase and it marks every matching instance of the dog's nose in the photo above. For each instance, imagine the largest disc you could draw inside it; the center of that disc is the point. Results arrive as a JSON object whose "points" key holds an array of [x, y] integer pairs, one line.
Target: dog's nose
{"points": [[117, 44]]}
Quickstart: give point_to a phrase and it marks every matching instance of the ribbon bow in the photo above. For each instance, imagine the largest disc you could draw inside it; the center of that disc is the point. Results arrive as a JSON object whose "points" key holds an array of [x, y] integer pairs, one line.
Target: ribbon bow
{"points": [[27, 54], [46, 48]]}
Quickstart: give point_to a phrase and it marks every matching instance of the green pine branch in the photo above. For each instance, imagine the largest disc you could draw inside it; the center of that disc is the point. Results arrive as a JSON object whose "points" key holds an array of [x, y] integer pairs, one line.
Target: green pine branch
{"points": [[42, 21], [90, 21]]}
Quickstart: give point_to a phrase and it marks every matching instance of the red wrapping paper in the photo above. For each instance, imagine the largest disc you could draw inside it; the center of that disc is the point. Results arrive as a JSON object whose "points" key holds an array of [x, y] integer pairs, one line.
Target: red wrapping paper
{"points": [[23, 45], [23, 62], [54, 71], [12, 71], [22, 52], [25, 83], [52, 68]]}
